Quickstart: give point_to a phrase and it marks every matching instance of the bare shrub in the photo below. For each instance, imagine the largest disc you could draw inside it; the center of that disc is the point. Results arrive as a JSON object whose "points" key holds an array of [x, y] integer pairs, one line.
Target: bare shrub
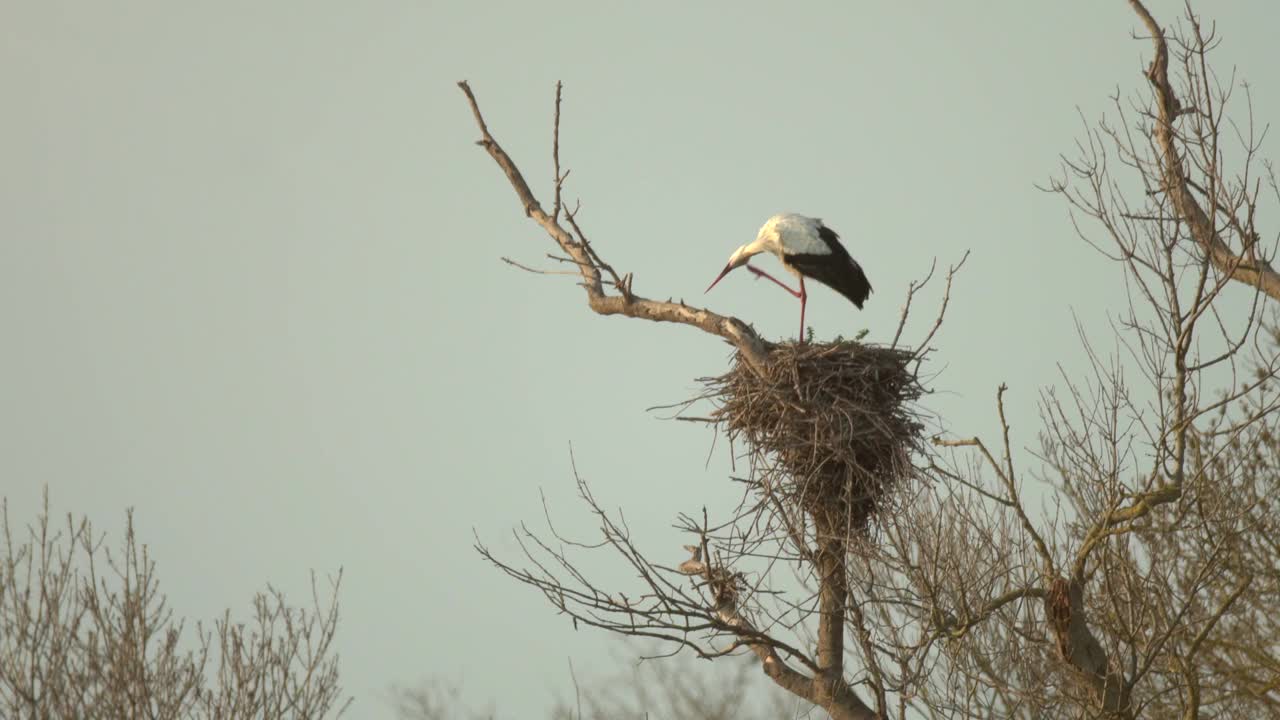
{"points": [[86, 633]]}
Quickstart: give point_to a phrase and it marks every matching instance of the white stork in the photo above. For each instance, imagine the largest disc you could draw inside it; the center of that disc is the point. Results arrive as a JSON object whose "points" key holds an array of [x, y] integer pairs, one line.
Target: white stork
{"points": [[807, 248]]}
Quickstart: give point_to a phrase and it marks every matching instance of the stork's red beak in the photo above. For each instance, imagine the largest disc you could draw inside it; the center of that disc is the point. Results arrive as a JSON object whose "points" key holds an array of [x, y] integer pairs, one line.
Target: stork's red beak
{"points": [[723, 272]]}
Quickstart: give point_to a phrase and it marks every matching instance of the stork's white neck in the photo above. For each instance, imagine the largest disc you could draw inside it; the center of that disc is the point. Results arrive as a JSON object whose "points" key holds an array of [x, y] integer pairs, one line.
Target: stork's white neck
{"points": [[753, 248]]}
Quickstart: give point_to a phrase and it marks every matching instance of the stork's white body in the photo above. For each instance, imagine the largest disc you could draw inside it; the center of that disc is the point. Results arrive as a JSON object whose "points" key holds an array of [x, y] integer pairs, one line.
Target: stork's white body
{"points": [[787, 234], [806, 248]]}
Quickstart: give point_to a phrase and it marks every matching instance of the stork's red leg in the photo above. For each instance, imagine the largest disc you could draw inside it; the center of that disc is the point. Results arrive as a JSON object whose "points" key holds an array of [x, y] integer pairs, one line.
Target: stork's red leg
{"points": [[803, 297], [784, 286]]}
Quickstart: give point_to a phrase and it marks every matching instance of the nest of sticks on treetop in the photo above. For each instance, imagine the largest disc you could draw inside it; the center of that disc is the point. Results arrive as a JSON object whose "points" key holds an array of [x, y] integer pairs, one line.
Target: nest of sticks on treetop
{"points": [[831, 426]]}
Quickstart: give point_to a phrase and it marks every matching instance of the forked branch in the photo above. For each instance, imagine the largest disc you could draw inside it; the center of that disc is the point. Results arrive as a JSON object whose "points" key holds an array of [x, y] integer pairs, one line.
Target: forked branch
{"points": [[1246, 265], [697, 618], [573, 243]]}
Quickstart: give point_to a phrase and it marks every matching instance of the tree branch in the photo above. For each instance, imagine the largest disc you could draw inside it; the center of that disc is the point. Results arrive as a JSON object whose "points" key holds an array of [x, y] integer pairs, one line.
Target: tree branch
{"points": [[1247, 267], [752, 347]]}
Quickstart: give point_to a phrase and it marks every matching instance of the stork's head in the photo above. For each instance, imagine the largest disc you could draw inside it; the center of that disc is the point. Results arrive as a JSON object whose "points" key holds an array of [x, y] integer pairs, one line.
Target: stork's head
{"points": [[737, 259]]}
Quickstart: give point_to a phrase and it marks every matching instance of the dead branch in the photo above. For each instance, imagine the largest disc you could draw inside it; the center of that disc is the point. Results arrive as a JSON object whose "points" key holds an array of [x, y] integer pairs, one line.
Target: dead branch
{"points": [[739, 334], [1244, 266]]}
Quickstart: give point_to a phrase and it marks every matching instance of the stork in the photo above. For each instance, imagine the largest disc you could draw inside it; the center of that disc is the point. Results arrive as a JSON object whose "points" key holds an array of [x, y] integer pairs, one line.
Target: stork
{"points": [[807, 248]]}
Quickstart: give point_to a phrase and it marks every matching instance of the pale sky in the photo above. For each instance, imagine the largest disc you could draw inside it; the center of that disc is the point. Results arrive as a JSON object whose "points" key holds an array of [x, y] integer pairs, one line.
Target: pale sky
{"points": [[250, 281]]}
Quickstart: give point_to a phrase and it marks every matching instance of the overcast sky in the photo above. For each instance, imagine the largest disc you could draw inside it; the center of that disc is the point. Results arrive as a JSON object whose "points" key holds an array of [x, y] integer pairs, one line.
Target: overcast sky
{"points": [[250, 280]]}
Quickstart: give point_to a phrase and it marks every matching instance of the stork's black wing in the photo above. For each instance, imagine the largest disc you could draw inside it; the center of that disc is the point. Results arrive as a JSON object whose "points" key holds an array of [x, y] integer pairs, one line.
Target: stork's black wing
{"points": [[837, 270]]}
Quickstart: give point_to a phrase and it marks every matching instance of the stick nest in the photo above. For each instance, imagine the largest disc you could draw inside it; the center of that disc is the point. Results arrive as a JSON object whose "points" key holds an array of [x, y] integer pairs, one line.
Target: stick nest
{"points": [[831, 426]]}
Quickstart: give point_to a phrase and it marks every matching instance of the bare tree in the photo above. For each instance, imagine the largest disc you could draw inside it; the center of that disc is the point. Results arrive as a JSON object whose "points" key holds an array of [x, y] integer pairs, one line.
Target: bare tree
{"points": [[671, 690], [802, 509], [434, 700], [928, 583], [86, 633]]}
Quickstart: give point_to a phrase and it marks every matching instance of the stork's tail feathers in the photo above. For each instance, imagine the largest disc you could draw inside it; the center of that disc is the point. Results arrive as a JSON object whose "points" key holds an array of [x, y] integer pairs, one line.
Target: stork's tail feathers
{"points": [[858, 289]]}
